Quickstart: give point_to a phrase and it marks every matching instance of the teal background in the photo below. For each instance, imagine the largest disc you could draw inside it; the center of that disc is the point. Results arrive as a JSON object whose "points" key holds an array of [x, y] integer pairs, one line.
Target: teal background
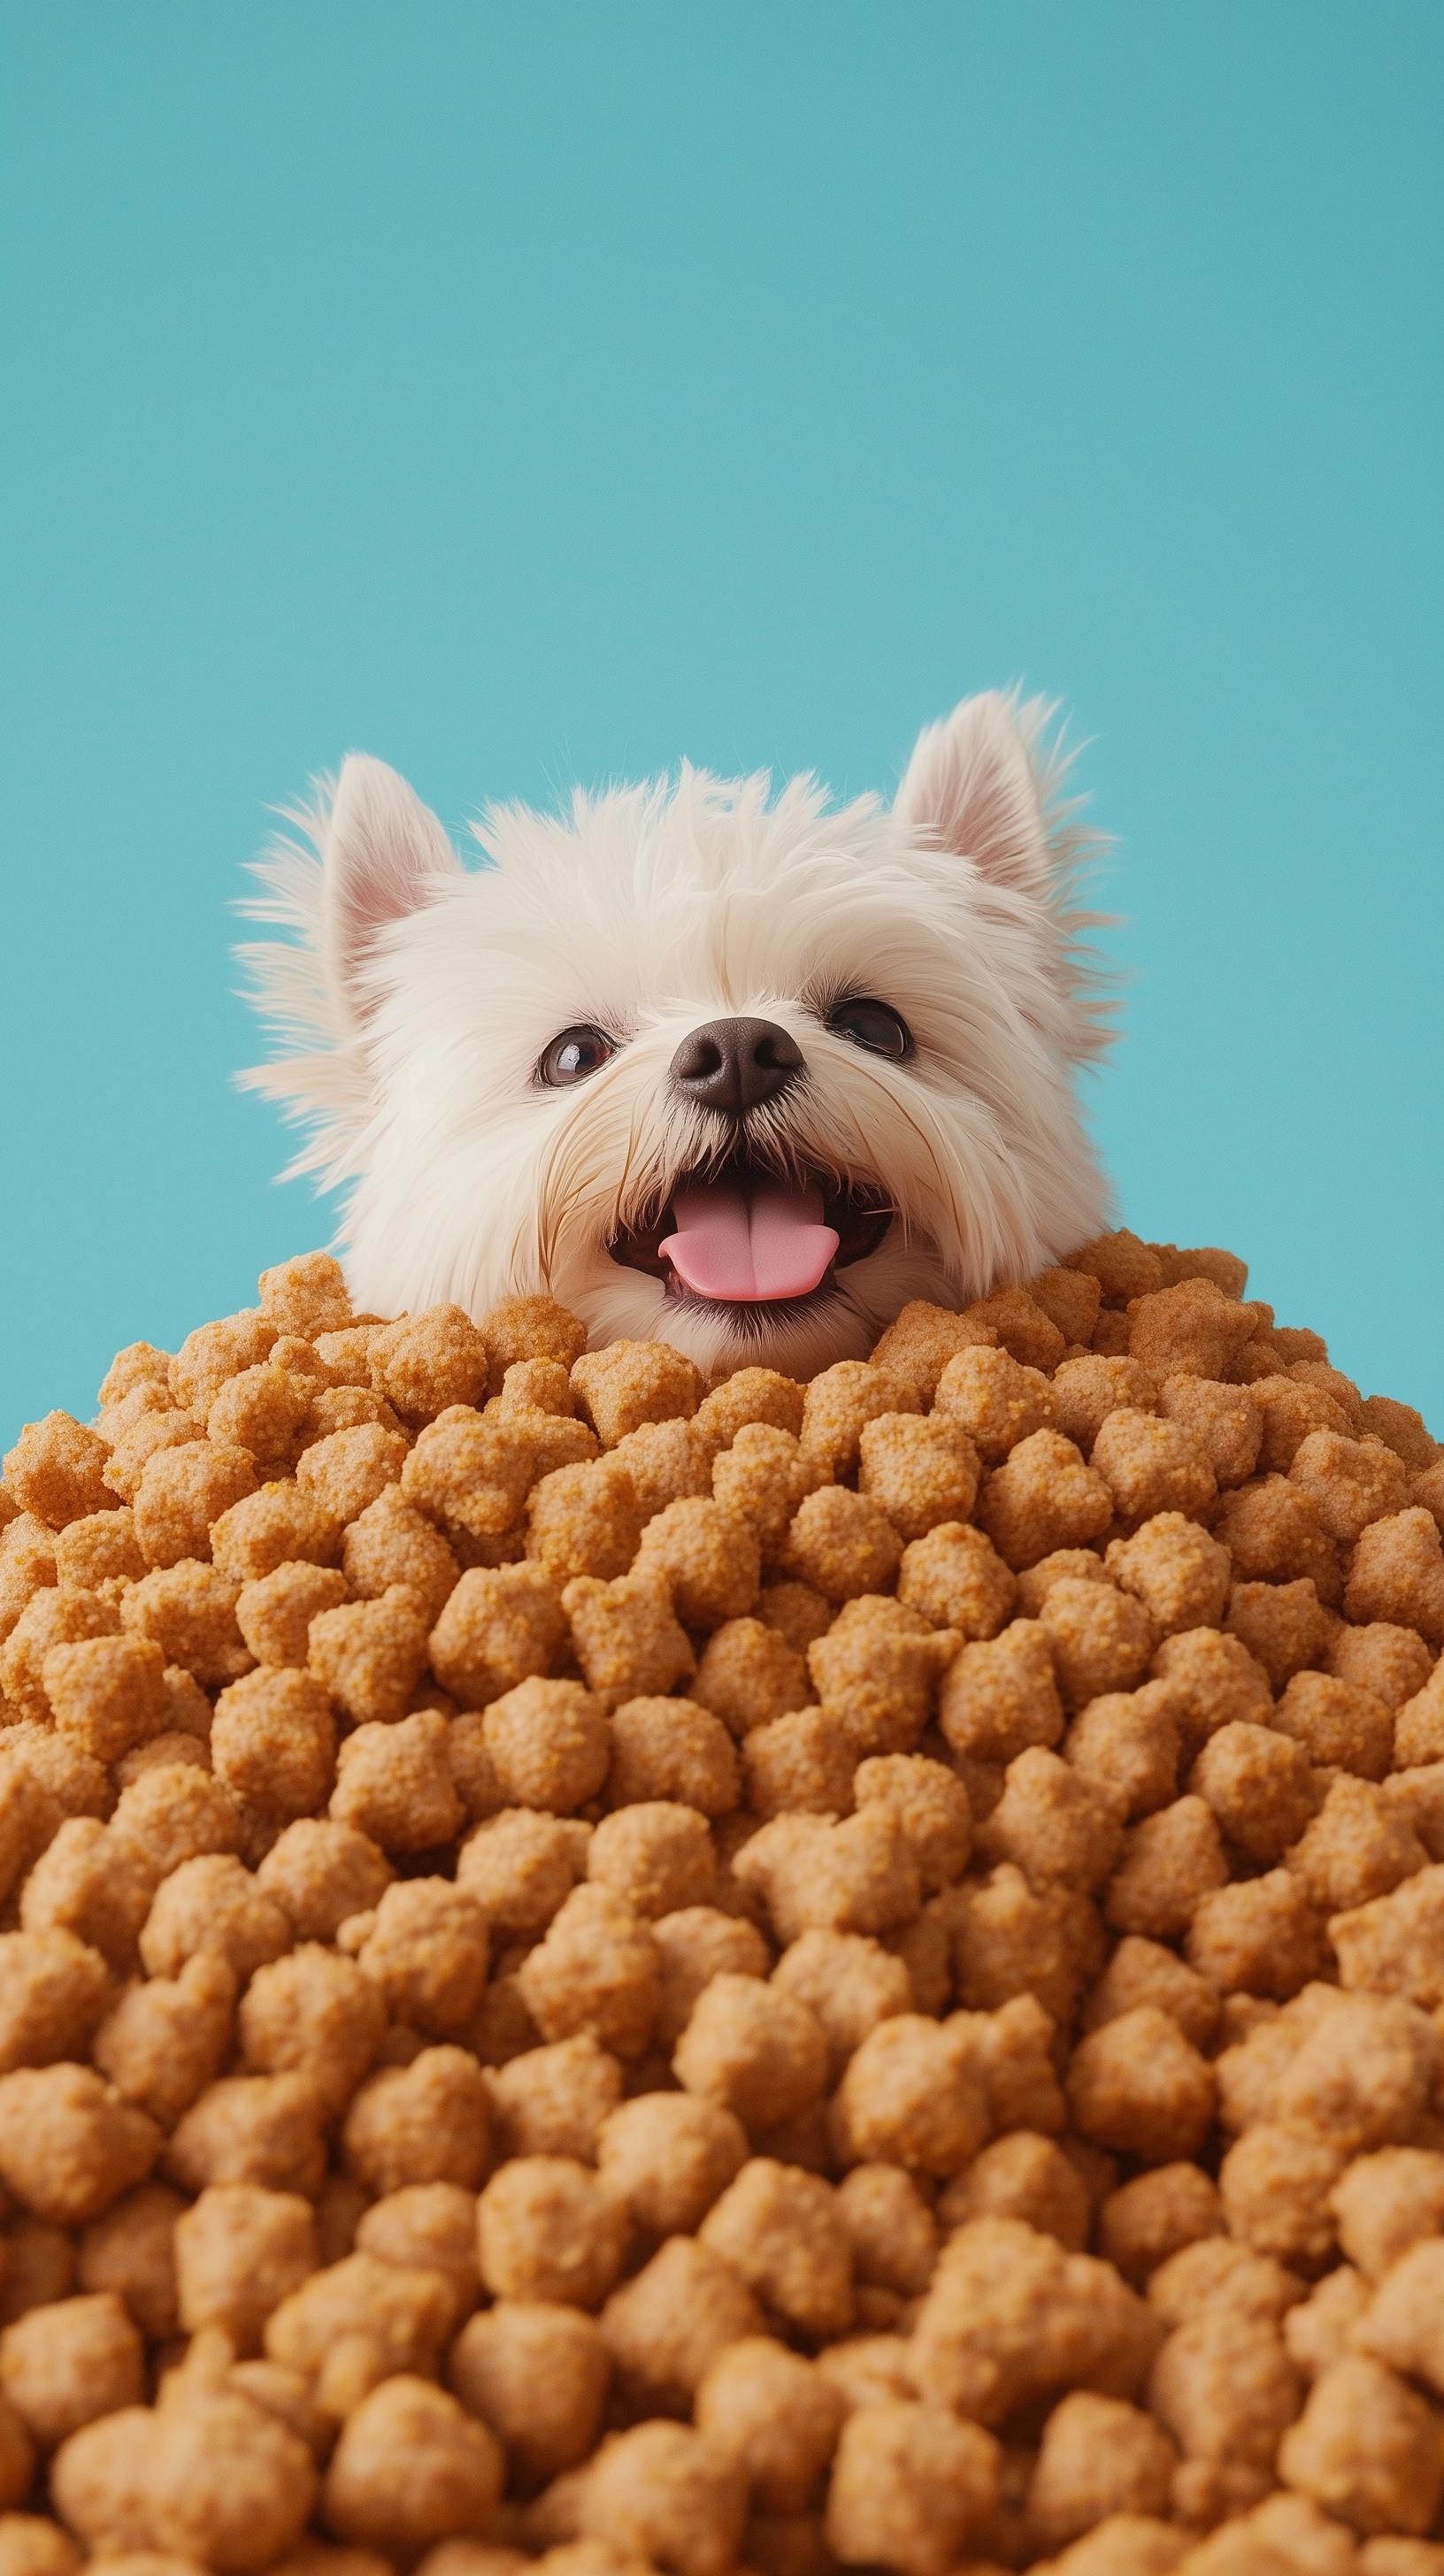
{"points": [[538, 394]]}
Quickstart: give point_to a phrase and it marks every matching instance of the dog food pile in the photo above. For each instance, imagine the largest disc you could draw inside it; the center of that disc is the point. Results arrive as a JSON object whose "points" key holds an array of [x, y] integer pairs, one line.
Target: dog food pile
{"points": [[606, 1975]]}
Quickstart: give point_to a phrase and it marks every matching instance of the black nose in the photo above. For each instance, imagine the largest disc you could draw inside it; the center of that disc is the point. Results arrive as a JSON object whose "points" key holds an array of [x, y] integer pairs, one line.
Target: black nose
{"points": [[734, 1065]]}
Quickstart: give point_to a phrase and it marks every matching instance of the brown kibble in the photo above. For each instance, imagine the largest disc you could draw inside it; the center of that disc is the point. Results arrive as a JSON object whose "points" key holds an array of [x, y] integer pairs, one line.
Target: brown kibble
{"points": [[428, 2122], [54, 1990], [549, 1744], [68, 2145], [348, 1469], [890, 2227], [1151, 1466], [764, 1477], [666, 1461], [212, 1903], [1260, 1786], [625, 1635], [1055, 1823], [1359, 1845], [467, 1473], [933, 1807], [1136, 2085], [913, 2095], [1011, 1942], [1395, 1944], [239, 2251], [781, 2229], [62, 2366], [74, 1780], [668, 2157], [922, 1472], [182, 1492], [91, 1884], [1215, 2272], [858, 1876], [427, 1953], [1192, 1329], [370, 1655], [1170, 1864], [262, 1410], [876, 1669], [994, 1402], [796, 1612], [669, 2324], [1087, 1390], [999, 1696], [106, 1693], [1275, 1535], [1352, 1482], [630, 1383], [1290, 1411], [800, 1763], [1043, 1497], [262, 2129], [320, 1872], [537, 2374], [1282, 1626], [394, 1784], [1098, 2457], [166, 2039], [1065, 1565], [910, 2482], [1367, 2449], [596, 1971], [306, 1295], [1392, 1662], [1387, 2202], [274, 1613], [775, 2415], [1176, 1570], [274, 1741], [754, 2050], [656, 1856], [316, 2014], [412, 2467], [1223, 1422], [956, 1579], [749, 1675], [141, 1427], [1339, 1724], [750, 1395], [1142, 1972], [131, 2251], [40, 2267], [55, 1470], [552, 2101], [1275, 2185], [709, 1558], [1101, 1640], [215, 1352], [694, 1945], [1319, 2330], [1127, 1744], [1212, 1682], [101, 1548], [1069, 1299], [842, 1545], [663, 2495], [1011, 2316], [1155, 2216], [1258, 1937], [348, 2325], [670, 1748], [584, 1520], [190, 1611], [500, 1627], [1022, 2176], [520, 1866], [391, 1542], [1405, 2324], [548, 2229], [49, 1620], [1225, 2388]]}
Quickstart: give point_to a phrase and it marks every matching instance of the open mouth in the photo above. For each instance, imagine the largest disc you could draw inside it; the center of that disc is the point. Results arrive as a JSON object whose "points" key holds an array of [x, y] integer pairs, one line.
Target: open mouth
{"points": [[739, 1236]]}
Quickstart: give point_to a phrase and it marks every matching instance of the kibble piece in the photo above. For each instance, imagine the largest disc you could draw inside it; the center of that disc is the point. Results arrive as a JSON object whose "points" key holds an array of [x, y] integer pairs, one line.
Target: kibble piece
{"points": [[842, 1544], [956, 1579], [1044, 1497], [1385, 2203], [212, 1903], [391, 1542], [348, 2325], [596, 1971], [802, 1763], [428, 2122], [394, 1784], [274, 1741], [656, 1856], [1367, 2449], [668, 2325], [796, 1612], [520, 1866], [1283, 1626], [320, 1872], [1416, 1796], [306, 1295], [412, 2467], [274, 1613], [1258, 1937], [1260, 1785], [54, 1990], [858, 1876], [131, 2251], [630, 1383], [1222, 1421], [1155, 2216], [75, 1780], [1405, 2324], [1136, 2085], [695, 1944], [107, 1694], [1101, 1640], [40, 2267], [1021, 2176], [1178, 1573], [1275, 2185], [584, 1520], [537, 2373], [370, 1656], [190, 1611], [876, 1668], [1098, 2457], [1340, 1725], [1212, 1681], [1392, 1662], [775, 2415], [1011, 2316], [1056, 1824], [663, 2494], [215, 1352], [753, 2049], [1290, 1410], [1192, 1328], [913, 2095], [891, 2229], [166, 2039], [261, 2129], [765, 1477], [428, 2226], [1065, 1565], [1142, 1972], [348, 1469], [1088, 1389], [547, 2229], [50, 1619], [1395, 1945], [1363, 2077], [172, 1811], [1215, 2272], [922, 1472], [1127, 1743], [709, 1557], [181, 1492], [669, 2156], [748, 1675], [842, 1400], [500, 1627], [909, 2484], [1225, 2388], [1358, 1846], [994, 1401], [100, 1548], [68, 2145], [780, 2228], [317, 2014], [1352, 1482], [55, 1470], [88, 1883], [1170, 1864], [427, 1954], [552, 2101], [933, 1807], [141, 1427], [100, 2481], [999, 1696], [627, 1639], [670, 1748], [549, 1744], [531, 1328], [239, 2251], [64, 2365], [1275, 1535], [751, 1395], [1010, 1942], [262, 1410]]}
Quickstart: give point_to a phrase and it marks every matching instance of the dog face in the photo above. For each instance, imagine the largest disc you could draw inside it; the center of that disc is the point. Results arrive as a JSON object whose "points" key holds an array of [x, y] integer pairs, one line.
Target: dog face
{"points": [[739, 1075]]}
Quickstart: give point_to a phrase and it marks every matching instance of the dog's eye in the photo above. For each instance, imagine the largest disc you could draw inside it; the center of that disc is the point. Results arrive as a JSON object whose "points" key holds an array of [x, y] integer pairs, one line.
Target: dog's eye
{"points": [[873, 1025], [572, 1056]]}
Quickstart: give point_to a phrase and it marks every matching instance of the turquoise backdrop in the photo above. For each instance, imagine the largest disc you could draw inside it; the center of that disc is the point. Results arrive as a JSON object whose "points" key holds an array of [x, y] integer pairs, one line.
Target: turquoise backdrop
{"points": [[530, 394]]}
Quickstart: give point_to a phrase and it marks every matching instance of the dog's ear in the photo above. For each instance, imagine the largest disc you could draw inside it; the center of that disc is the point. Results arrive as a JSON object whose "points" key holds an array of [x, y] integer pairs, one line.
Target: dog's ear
{"points": [[971, 788], [383, 854]]}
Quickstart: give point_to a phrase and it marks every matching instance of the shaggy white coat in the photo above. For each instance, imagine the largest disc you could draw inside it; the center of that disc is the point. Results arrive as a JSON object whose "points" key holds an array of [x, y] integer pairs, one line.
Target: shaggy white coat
{"points": [[416, 995]]}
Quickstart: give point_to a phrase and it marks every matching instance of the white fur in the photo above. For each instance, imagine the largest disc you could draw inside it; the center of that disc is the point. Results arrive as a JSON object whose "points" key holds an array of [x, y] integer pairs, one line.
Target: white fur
{"points": [[418, 996]]}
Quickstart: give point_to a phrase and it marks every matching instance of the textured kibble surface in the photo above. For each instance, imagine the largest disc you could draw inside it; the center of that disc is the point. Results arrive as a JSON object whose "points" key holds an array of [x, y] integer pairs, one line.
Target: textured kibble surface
{"points": [[650, 1979]]}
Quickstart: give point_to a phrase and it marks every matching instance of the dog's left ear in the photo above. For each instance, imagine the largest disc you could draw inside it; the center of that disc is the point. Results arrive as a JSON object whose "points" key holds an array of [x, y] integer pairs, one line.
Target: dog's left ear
{"points": [[971, 788], [383, 853]]}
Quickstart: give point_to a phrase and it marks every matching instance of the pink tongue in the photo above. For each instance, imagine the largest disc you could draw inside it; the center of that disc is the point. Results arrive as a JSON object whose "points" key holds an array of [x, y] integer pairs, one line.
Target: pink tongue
{"points": [[736, 1244]]}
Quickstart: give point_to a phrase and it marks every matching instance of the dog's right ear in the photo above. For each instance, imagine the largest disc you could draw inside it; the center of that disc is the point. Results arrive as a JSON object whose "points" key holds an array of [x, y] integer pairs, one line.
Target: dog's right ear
{"points": [[384, 854]]}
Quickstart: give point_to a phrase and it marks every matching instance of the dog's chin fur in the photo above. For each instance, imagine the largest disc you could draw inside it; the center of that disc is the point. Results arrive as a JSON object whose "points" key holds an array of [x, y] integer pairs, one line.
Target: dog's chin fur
{"points": [[417, 996]]}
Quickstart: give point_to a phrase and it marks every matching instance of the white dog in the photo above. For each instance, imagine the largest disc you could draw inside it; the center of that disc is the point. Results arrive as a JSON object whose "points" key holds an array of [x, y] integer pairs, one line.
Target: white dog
{"points": [[738, 1074]]}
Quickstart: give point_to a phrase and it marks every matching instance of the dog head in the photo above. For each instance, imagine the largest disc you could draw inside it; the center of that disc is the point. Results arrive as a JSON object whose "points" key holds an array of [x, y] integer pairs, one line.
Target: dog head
{"points": [[735, 1073]]}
